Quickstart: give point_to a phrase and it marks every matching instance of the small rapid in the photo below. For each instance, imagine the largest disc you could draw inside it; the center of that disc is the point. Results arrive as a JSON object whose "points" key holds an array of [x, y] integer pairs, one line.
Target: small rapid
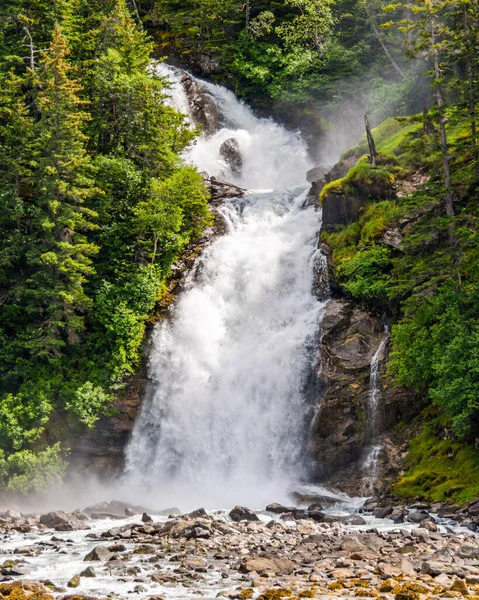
{"points": [[224, 421]]}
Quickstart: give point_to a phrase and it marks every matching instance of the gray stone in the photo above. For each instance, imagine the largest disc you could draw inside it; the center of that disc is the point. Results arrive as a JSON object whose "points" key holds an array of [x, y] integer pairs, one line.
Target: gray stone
{"points": [[98, 553], [241, 513], [231, 153]]}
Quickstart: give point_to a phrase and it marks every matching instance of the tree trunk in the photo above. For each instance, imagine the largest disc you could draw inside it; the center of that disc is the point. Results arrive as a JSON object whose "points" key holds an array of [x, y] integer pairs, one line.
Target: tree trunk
{"points": [[442, 121], [379, 36], [372, 146], [137, 13], [248, 13], [31, 47]]}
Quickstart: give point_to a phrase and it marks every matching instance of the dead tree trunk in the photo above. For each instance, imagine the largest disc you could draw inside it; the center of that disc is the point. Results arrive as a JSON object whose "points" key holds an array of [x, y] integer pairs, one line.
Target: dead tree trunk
{"points": [[30, 46], [373, 155]]}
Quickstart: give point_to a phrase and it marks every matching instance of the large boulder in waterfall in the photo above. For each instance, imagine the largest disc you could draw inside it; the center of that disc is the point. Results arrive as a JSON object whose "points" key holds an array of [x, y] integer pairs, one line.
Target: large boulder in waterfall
{"points": [[203, 107], [231, 153]]}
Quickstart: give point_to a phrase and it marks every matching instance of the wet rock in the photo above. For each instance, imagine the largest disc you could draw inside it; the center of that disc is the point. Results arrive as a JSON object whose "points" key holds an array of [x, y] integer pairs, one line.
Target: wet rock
{"points": [[429, 524], [221, 190], [316, 173], [316, 515], [325, 498], [231, 153], [88, 572], [262, 564], [279, 509], [74, 581], [241, 513], [398, 514], [203, 106], [60, 521], [195, 532], [146, 518], [98, 553], [197, 514], [383, 512], [417, 516]]}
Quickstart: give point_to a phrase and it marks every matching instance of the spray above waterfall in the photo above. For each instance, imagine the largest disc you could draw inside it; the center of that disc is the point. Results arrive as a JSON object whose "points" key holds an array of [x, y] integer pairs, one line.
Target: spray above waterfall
{"points": [[224, 420]]}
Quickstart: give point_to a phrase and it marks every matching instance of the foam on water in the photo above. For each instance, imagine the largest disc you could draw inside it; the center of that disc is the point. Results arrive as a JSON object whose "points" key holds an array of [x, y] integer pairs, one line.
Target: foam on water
{"points": [[224, 421]]}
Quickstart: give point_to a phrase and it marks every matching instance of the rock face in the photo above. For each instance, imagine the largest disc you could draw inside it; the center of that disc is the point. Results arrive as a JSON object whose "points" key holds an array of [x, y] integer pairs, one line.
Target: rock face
{"points": [[231, 153], [203, 106], [340, 389], [339, 209]]}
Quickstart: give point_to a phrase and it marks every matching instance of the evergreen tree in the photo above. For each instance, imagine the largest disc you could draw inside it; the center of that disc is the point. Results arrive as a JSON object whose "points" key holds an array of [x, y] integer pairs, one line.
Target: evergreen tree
{"points": [[64, 184]]}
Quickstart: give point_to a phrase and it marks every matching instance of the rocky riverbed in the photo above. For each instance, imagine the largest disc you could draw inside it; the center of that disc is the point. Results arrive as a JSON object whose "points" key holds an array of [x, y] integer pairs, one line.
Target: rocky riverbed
{"points": [[109, 551]]}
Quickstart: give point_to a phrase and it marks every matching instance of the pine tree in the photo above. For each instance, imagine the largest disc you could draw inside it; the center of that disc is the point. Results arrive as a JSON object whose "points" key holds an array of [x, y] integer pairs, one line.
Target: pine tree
{"points": [[64, 186]]}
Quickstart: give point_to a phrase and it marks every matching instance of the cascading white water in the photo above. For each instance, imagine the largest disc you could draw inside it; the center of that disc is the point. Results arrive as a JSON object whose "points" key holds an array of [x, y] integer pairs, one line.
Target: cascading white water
{"points": [[372, 452], [273, 158], [224, 420]]}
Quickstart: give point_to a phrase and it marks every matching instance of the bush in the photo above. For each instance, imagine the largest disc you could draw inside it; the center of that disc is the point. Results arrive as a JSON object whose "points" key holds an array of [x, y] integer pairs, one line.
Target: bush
{"points": [[365, 275], [88, 403], [26, 472]]}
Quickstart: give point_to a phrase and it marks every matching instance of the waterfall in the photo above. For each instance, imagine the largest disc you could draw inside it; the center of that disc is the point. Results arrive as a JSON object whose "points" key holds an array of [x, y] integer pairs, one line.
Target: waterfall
{"points": [[372, 452], [273, 158], [224, 420]]}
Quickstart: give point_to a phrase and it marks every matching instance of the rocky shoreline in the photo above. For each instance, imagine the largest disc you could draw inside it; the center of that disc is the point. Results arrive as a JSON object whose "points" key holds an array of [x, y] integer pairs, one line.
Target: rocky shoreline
{"points": [[281, 552]]}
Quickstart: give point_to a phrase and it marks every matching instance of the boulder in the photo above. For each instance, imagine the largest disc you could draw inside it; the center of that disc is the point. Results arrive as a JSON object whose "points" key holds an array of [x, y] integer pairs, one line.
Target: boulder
{"points": [[98, 553], [202, 104], [316, 173], [382, 512], [231, 153], [74, 581], [241, 513], [195, 532], [267, 564], [416, 516], [60, 521], [278, 509]]}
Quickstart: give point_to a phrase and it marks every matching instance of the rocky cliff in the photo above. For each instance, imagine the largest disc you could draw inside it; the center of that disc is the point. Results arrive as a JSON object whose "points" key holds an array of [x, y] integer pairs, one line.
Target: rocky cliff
{"points": [[339, 436]]}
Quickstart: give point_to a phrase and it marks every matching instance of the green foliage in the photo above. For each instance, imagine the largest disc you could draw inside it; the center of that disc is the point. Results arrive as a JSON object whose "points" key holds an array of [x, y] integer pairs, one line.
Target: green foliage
{"points": [[22, 418], [437, 347], [365, 275], [30, 471], [88, 403], [439, 468], [429, 286], [90, 169], [365, 181]]}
